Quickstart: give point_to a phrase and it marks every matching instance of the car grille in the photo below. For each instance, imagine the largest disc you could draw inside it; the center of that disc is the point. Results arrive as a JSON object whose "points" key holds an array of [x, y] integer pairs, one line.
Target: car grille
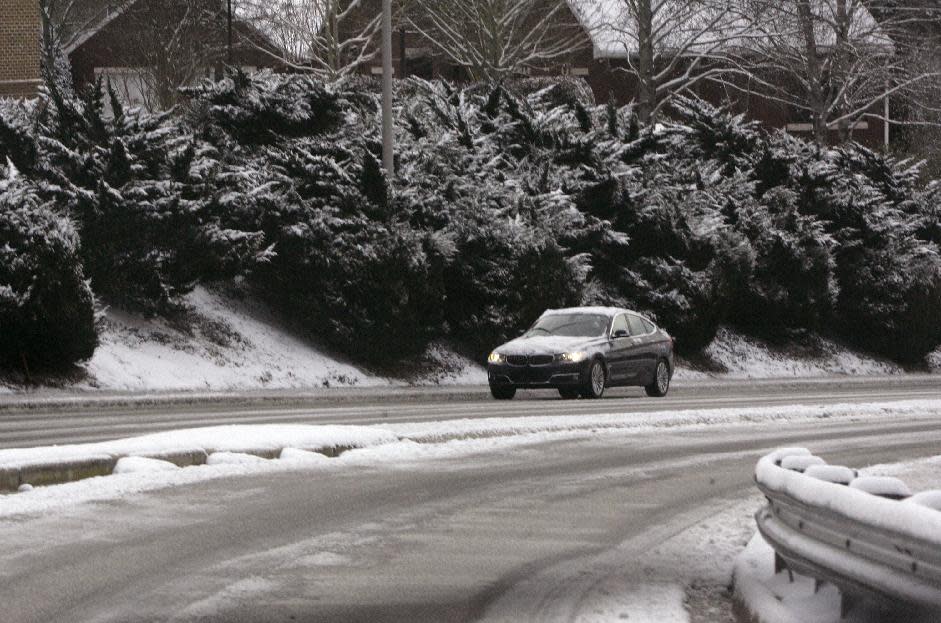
{"points": [[532, 360]]}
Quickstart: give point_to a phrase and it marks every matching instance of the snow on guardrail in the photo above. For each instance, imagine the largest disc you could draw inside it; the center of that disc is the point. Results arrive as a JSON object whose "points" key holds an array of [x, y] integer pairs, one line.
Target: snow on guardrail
{"points": [[866, 536]]}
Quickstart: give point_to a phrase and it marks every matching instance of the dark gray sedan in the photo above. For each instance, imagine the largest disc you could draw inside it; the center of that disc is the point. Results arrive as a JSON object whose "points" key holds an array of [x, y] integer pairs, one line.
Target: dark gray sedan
{"points": [[581, 351]]}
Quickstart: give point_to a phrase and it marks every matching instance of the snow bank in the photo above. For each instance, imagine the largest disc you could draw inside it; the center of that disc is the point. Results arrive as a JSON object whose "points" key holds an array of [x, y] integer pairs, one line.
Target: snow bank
{"points": [[138, 464], [746, 357], [774, 598], [232, 439], [488, 427]]}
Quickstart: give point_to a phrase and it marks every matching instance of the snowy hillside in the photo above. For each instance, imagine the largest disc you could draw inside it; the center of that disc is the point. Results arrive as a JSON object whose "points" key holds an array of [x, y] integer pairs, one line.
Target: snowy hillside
{"points": [[738, 356], [225, 343]]}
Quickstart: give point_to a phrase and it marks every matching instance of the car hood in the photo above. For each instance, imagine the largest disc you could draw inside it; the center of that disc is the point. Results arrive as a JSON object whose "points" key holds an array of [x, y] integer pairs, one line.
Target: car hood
{"points": [[545, 345]]}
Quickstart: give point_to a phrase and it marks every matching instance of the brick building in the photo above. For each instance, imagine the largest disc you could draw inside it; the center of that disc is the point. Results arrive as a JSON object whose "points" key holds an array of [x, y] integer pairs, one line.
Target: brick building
{"points": [[19, 47]]}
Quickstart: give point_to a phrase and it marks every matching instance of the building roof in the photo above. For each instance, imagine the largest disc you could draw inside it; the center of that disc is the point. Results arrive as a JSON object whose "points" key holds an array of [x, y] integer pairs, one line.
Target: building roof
{"points": [[690, 28], [82, 19]]}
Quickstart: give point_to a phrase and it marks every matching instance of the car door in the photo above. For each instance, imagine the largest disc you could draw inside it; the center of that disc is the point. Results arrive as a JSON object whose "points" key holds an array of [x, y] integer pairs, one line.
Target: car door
{"points": [[619, 352], [645, 345]]}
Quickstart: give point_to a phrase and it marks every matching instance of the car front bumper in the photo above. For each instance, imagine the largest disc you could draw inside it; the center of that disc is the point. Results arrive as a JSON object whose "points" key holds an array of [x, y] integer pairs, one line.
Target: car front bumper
{"points": [[552, 375]]}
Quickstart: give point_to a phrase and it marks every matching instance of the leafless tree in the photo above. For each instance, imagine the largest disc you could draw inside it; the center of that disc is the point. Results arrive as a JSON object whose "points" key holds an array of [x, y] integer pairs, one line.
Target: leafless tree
{"points": [[493, 39], [66, 22], [668, 47], [833, 61], [331, 38], [179, 42]]}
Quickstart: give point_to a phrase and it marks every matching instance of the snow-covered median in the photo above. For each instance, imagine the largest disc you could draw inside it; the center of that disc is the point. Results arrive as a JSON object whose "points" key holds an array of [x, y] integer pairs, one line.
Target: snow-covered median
{"points": [[248, 439], [384, 445]]}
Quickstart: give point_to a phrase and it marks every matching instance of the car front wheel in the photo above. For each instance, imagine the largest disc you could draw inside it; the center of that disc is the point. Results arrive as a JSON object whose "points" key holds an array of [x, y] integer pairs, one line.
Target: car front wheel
{"points": [[594, 387], [503, 392], [661, 381]]}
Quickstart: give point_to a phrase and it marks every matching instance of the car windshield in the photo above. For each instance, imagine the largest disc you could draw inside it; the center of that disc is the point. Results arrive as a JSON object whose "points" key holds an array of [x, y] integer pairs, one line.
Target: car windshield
{"points": [[570, 325]]}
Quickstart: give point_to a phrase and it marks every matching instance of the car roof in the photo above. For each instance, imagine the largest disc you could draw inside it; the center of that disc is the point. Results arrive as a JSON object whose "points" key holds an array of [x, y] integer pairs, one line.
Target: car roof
{"points": [[599, 311]]}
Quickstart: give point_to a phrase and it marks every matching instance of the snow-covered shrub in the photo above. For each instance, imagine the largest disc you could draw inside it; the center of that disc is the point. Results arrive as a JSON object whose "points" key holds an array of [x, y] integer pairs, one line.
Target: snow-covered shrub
{"points": [[47, 315], [146, 200], [17, 135], [890, 298], [792, 284], [263, 109], [505, 274], [369, 289]]}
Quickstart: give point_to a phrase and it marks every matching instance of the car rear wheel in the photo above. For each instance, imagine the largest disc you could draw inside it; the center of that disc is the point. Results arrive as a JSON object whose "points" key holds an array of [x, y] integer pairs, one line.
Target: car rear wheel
{"points": [[661, 381], [503, 392], [568, 394], [597, 378]]}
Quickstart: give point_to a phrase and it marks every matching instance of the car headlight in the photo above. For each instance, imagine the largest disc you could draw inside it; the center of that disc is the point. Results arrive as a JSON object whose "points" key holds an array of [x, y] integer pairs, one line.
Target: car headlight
{"points": [[496, 357], [574, 357]]}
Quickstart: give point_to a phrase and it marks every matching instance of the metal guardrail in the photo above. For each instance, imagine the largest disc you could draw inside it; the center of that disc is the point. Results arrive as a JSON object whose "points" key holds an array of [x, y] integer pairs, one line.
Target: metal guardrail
{"points": [[865, 545]]}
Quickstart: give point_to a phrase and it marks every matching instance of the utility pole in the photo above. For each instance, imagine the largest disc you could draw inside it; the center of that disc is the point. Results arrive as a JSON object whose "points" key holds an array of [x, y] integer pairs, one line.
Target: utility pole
{"points": [[230, 31], [387, 147]]}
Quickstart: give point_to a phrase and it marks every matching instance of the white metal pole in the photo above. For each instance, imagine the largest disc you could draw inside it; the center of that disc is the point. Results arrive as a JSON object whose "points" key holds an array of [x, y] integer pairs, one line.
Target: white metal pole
{"points": [[387, 139]]}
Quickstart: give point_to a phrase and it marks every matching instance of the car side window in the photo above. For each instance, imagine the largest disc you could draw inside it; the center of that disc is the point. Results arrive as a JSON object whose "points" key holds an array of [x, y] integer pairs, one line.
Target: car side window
{"points": [[637, 327], [620, 324], [649, 326]]}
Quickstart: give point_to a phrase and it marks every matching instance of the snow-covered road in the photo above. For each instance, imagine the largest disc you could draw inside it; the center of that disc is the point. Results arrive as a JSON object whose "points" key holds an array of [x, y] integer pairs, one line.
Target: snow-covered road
{"points": [[46, 419], [573, 526]]}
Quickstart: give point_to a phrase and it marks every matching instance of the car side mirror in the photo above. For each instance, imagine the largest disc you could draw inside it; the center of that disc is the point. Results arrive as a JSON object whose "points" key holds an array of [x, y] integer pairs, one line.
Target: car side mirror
{"points": [[621, 333]]}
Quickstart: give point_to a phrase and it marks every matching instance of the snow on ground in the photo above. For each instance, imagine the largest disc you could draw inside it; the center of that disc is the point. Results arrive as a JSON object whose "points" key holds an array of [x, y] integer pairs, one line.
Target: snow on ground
{"points": [[746, 357], [221, 439], [386, 445], [223, 343], [486, 427]]}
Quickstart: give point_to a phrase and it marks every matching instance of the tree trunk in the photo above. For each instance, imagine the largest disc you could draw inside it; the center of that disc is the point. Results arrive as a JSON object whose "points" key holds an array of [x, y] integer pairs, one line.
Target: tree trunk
{"points": [[646, 86], [817, 100]]}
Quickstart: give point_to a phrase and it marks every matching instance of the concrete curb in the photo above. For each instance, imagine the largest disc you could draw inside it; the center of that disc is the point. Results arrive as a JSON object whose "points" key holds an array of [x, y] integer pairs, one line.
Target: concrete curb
{"points": [[61, 472]]}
